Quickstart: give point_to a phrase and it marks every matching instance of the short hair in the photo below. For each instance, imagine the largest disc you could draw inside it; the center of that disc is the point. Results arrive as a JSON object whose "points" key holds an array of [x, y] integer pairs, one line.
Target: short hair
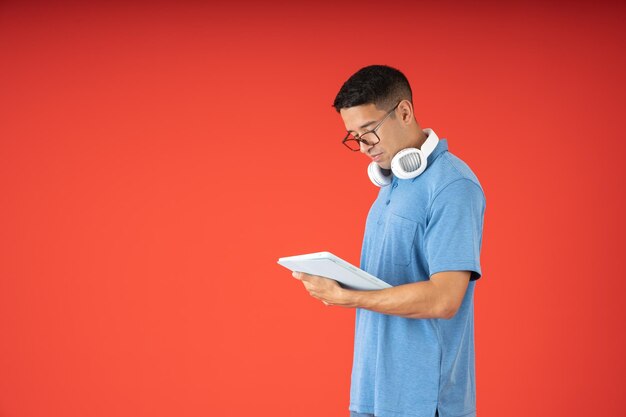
{"points": [[380, 85]]}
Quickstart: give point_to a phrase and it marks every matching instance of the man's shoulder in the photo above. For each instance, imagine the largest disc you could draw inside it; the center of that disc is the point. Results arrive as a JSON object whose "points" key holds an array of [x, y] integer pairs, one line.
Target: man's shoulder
{"points": [[449, 168]]}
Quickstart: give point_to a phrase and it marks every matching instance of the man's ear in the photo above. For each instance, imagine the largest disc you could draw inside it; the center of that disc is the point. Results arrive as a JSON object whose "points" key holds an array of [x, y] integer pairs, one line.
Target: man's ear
{"points": [[405, 110]]}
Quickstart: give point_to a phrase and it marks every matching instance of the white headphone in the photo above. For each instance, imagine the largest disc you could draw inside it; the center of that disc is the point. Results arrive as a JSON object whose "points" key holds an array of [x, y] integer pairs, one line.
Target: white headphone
{"points": [[406, 164]]}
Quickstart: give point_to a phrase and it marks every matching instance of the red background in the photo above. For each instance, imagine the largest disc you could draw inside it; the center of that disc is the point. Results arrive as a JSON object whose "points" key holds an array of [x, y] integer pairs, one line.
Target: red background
{"points": [[157, 158]]}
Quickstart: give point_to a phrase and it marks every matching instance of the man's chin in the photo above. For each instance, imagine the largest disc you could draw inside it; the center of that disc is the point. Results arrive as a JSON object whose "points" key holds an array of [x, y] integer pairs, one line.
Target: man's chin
{"points": [[384, 166]]}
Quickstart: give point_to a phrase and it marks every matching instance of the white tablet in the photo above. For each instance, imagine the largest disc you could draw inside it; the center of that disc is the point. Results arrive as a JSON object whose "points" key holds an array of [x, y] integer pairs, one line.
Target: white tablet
{"points": [[325, 264]]}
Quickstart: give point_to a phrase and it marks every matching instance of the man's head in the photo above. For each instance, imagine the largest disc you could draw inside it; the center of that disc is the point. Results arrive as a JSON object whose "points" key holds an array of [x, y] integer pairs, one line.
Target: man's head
{"points": [[378, 98]]}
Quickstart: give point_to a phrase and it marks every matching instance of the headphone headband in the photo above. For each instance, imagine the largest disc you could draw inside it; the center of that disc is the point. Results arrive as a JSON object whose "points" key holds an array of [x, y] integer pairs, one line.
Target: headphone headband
{"points": [[431, 142]]}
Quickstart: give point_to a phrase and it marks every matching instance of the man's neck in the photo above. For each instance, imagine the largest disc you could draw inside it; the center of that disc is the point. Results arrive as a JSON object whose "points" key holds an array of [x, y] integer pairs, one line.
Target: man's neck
{"points": [[419, 139]]}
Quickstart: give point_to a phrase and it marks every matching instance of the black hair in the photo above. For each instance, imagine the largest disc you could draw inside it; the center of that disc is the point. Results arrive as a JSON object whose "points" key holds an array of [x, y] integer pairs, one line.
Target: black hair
{"points": [[380, 85]]}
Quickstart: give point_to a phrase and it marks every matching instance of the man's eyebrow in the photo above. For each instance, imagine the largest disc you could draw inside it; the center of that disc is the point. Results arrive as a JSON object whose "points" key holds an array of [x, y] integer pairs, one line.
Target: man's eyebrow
{"points": [[364, 126]]}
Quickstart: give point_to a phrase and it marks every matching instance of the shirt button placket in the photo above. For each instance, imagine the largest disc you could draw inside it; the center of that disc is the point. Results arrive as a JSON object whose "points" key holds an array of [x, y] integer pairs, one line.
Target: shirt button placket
{"points": [[380, 221], [394, 184]]}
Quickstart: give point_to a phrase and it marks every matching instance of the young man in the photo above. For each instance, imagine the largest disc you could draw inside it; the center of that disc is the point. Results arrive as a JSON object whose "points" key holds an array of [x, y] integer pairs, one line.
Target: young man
{"points": [[414, 342]]}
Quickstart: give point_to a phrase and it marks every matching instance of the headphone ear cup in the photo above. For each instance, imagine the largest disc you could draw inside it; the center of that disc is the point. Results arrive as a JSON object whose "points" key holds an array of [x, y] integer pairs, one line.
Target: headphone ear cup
{"points": [[408, 163], [377, 176]]}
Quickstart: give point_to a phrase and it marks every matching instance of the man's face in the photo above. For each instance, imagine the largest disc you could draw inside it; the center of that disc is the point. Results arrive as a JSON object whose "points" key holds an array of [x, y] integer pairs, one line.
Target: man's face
{"points": [[364, 118]]}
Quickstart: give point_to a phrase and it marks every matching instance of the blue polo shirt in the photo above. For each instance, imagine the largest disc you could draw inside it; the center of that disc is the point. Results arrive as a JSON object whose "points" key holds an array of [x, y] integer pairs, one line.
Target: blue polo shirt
{"points": [[411, 367]]}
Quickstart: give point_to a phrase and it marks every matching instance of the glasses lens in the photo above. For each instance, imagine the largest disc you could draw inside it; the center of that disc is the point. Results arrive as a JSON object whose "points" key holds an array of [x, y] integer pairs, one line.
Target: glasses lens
{"points": [[369, 138], [352, 143]]}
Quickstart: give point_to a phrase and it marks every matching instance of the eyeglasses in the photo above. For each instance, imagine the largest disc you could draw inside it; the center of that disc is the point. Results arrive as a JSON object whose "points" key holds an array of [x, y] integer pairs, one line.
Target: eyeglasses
{"points": [[369, 138]]}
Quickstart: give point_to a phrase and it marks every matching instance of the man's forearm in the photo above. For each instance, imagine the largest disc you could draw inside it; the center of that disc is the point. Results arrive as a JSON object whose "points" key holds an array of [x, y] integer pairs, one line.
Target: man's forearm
{"points": [[419, 300], [439, 297]]}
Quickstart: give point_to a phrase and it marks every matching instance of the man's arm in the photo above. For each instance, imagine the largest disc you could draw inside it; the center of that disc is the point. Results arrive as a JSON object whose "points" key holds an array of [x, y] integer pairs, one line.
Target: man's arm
{"points": [[440, 297]]}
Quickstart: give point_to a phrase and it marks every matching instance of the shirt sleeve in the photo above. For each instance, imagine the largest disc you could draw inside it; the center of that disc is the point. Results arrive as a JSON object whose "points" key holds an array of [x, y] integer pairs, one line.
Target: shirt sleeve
{"points": [[453, 236]]}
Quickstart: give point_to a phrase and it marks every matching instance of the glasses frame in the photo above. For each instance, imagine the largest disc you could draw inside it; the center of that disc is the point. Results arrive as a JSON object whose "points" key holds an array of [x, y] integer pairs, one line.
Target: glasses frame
{"points": [[366, 143]]}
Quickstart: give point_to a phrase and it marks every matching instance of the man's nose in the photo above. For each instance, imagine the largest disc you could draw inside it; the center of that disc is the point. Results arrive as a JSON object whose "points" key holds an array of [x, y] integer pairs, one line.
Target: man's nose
{"points": [[365, 147]]}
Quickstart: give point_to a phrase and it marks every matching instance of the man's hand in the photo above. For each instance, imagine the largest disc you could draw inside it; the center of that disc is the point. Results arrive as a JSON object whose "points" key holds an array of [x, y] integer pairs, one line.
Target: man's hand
{"points": [[326, 290]]}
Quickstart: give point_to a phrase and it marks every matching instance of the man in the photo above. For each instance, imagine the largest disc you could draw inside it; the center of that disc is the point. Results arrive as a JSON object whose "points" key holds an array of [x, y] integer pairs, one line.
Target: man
{"points": [[414, 342]]}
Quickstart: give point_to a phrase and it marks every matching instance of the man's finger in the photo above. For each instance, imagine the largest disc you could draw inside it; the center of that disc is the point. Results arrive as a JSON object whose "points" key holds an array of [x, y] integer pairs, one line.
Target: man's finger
{"points": [[300, 275]]}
